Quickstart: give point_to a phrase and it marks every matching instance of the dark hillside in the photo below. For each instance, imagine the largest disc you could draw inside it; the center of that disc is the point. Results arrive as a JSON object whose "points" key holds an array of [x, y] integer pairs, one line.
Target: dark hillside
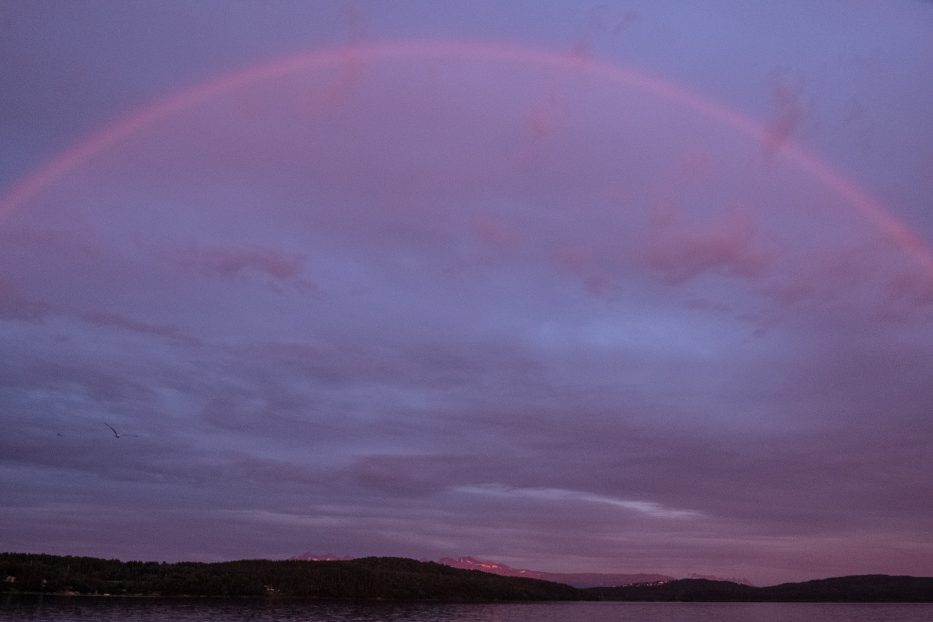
{"points": [[875, 588], [360, 579]]}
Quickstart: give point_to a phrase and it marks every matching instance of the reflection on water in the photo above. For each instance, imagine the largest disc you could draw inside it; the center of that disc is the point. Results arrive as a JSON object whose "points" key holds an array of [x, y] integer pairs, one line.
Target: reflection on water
{"points": [[65, 609]]}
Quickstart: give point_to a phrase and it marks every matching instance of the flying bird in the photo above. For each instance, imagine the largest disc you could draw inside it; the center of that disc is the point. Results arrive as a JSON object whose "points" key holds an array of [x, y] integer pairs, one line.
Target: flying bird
{"points": [[115, 433]]}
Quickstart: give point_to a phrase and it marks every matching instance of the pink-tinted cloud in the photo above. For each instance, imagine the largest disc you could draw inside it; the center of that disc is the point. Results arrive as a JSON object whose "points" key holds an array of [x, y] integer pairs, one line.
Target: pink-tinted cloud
{"points": [[730, 247], [494, 233], [544, 118], [911, 290], [789, 111]]}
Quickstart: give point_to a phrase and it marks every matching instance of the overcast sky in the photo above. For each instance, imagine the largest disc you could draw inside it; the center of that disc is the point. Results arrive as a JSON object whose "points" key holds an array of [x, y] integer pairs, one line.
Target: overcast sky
{"points": [[633, 286]]}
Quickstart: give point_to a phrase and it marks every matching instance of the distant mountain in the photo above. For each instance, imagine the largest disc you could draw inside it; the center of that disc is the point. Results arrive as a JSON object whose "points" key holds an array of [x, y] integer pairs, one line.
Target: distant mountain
{"points": [[678, 590], [741, 581], [315, 557], [853, 589], [575, 579]]}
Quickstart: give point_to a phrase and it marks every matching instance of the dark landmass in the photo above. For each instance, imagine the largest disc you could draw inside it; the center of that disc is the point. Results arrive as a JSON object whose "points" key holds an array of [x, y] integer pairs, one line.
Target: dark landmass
{"points": [[393, 578], [370, 578], [854, 589]]}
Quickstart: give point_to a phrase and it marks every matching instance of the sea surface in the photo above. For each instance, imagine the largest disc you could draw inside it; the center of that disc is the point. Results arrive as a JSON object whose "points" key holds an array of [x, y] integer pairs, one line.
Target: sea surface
{"points": [[102, 609]]}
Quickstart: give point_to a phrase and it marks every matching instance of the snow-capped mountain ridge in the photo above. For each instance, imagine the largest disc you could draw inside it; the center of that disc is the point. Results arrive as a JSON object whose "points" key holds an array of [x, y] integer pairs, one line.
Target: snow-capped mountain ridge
{"points": [[576, 579]]}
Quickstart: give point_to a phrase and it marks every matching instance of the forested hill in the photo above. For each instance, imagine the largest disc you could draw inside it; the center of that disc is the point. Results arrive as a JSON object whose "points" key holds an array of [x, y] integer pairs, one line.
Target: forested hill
{"points": [[369, 578], [393, 578], [861, 588]]}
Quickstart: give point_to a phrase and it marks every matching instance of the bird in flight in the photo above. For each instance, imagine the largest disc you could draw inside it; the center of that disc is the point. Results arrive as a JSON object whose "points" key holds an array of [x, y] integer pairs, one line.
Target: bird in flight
{"points": [[115, 433]]}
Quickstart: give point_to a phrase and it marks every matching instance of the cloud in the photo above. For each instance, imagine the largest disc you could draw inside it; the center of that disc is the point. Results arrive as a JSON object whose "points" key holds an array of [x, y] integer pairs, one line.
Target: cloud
{"points": [[583, 262], [543, 120], [120, 322], [15, 306], [559, 495], [731, 247], [92, 380], [407, 475], [494, 233], [245, 263], [913, 290], [790, 108]]}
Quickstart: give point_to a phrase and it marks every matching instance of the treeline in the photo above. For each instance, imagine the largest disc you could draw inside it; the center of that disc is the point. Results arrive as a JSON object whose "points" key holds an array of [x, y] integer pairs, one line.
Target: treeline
{"points": [[360, 579]]}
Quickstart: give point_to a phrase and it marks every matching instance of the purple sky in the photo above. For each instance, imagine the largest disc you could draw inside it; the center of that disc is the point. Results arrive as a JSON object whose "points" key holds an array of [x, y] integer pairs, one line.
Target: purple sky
{"points": [[635, 286]]}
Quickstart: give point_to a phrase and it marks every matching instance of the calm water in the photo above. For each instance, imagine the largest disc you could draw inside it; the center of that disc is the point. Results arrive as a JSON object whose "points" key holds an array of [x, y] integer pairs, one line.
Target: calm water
{"points": [[63, 609]]}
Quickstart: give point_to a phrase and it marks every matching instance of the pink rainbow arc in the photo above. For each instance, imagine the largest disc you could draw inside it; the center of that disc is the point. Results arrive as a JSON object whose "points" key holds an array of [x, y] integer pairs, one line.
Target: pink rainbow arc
{"points": [[890, 226]]}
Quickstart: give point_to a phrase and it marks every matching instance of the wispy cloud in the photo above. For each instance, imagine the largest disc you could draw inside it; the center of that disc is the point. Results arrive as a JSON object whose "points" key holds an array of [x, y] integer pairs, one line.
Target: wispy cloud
{"points": [[563, 496]]}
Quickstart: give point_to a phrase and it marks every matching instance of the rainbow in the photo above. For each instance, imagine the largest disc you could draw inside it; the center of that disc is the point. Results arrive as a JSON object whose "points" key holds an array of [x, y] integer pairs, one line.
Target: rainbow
{"points": [[113, 134]]}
